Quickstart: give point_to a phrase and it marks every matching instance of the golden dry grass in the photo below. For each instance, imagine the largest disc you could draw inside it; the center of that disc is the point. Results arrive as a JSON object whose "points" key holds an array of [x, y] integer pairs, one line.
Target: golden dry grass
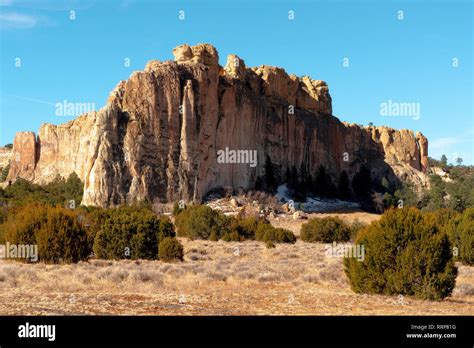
{"points": [[216, 278]]}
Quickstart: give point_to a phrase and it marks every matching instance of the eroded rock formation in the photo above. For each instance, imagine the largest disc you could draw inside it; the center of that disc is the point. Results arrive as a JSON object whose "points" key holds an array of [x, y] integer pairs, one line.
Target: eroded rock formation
{"points": [[158, 136], [5, 156]]}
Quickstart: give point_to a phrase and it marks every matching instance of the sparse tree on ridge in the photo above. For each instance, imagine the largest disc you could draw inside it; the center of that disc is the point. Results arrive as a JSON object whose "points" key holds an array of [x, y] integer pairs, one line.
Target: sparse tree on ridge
{"points": [[444, 160]]}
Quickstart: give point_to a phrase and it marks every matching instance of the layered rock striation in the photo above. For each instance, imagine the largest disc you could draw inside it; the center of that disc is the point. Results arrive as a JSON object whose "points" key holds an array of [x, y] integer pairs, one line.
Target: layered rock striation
{"points": [[159, 134]]}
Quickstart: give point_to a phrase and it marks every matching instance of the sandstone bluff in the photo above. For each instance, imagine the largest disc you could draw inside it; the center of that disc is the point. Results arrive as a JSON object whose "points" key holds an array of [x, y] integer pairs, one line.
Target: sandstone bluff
{"points": [[158, 135]]}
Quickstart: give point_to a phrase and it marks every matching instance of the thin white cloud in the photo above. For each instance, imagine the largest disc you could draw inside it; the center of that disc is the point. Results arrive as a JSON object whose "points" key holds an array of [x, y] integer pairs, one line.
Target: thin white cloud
{"points": [[447, 142], [14, 20], [54, 5], [34, 100], [443, 143], [453, 147], [5, 2], [17, 19]]}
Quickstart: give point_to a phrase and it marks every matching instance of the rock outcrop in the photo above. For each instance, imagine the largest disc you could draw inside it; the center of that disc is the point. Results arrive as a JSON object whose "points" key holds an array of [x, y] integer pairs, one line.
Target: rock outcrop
{"points": [[160, 133], [5, 156], [24, 156]]}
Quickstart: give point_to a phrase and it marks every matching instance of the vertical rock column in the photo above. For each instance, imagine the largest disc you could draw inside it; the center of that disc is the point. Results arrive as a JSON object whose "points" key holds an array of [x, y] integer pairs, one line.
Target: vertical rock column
{"points": [[24, 157], [423, 143], [188, 142]]}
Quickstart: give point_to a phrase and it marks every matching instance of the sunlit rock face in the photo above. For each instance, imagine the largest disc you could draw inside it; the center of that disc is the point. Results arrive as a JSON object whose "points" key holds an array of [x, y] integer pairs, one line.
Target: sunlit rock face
{"points": [[158, 137]]}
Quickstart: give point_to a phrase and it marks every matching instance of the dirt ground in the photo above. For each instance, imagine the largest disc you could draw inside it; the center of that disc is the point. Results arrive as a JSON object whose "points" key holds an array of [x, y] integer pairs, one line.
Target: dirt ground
{"points": [[216, 278], [294, 225]]}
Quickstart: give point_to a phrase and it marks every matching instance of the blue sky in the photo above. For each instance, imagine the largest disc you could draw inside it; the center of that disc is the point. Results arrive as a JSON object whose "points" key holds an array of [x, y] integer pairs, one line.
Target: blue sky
{"points": [[409, 60]]}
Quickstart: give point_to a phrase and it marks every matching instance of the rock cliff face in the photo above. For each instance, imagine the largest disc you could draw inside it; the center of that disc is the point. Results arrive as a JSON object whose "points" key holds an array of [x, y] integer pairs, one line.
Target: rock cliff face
{"points": [[5, 156], [159, 135]]}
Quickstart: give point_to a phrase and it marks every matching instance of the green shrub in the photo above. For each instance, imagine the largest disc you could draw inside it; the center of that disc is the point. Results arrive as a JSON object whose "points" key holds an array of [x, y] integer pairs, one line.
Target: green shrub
{"points": [[325, 230], [22, 191], [234, 236], [213, 237], [170, 249], [245, 227], [266, 232], [57, 232], [177, 209], [444, 217], [91, 218], [4, 212], [270, 245], [22, 223], [355, 228], [226, 237], [284, 236], [165, 228], [261, 230], [61, 238], [58, 192], [130, 232], [199, 221], [461, 231], [405, 253]]}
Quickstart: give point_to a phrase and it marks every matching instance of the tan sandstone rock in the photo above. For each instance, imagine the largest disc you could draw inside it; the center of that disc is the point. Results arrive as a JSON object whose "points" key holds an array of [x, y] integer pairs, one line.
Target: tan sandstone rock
{"points": [[158, 136], [24, 155], [235, 67], [5, 156]]}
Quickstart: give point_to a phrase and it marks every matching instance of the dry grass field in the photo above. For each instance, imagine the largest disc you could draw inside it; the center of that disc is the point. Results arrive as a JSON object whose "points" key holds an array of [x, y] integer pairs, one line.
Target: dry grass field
{"points": [[216, 278]]}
